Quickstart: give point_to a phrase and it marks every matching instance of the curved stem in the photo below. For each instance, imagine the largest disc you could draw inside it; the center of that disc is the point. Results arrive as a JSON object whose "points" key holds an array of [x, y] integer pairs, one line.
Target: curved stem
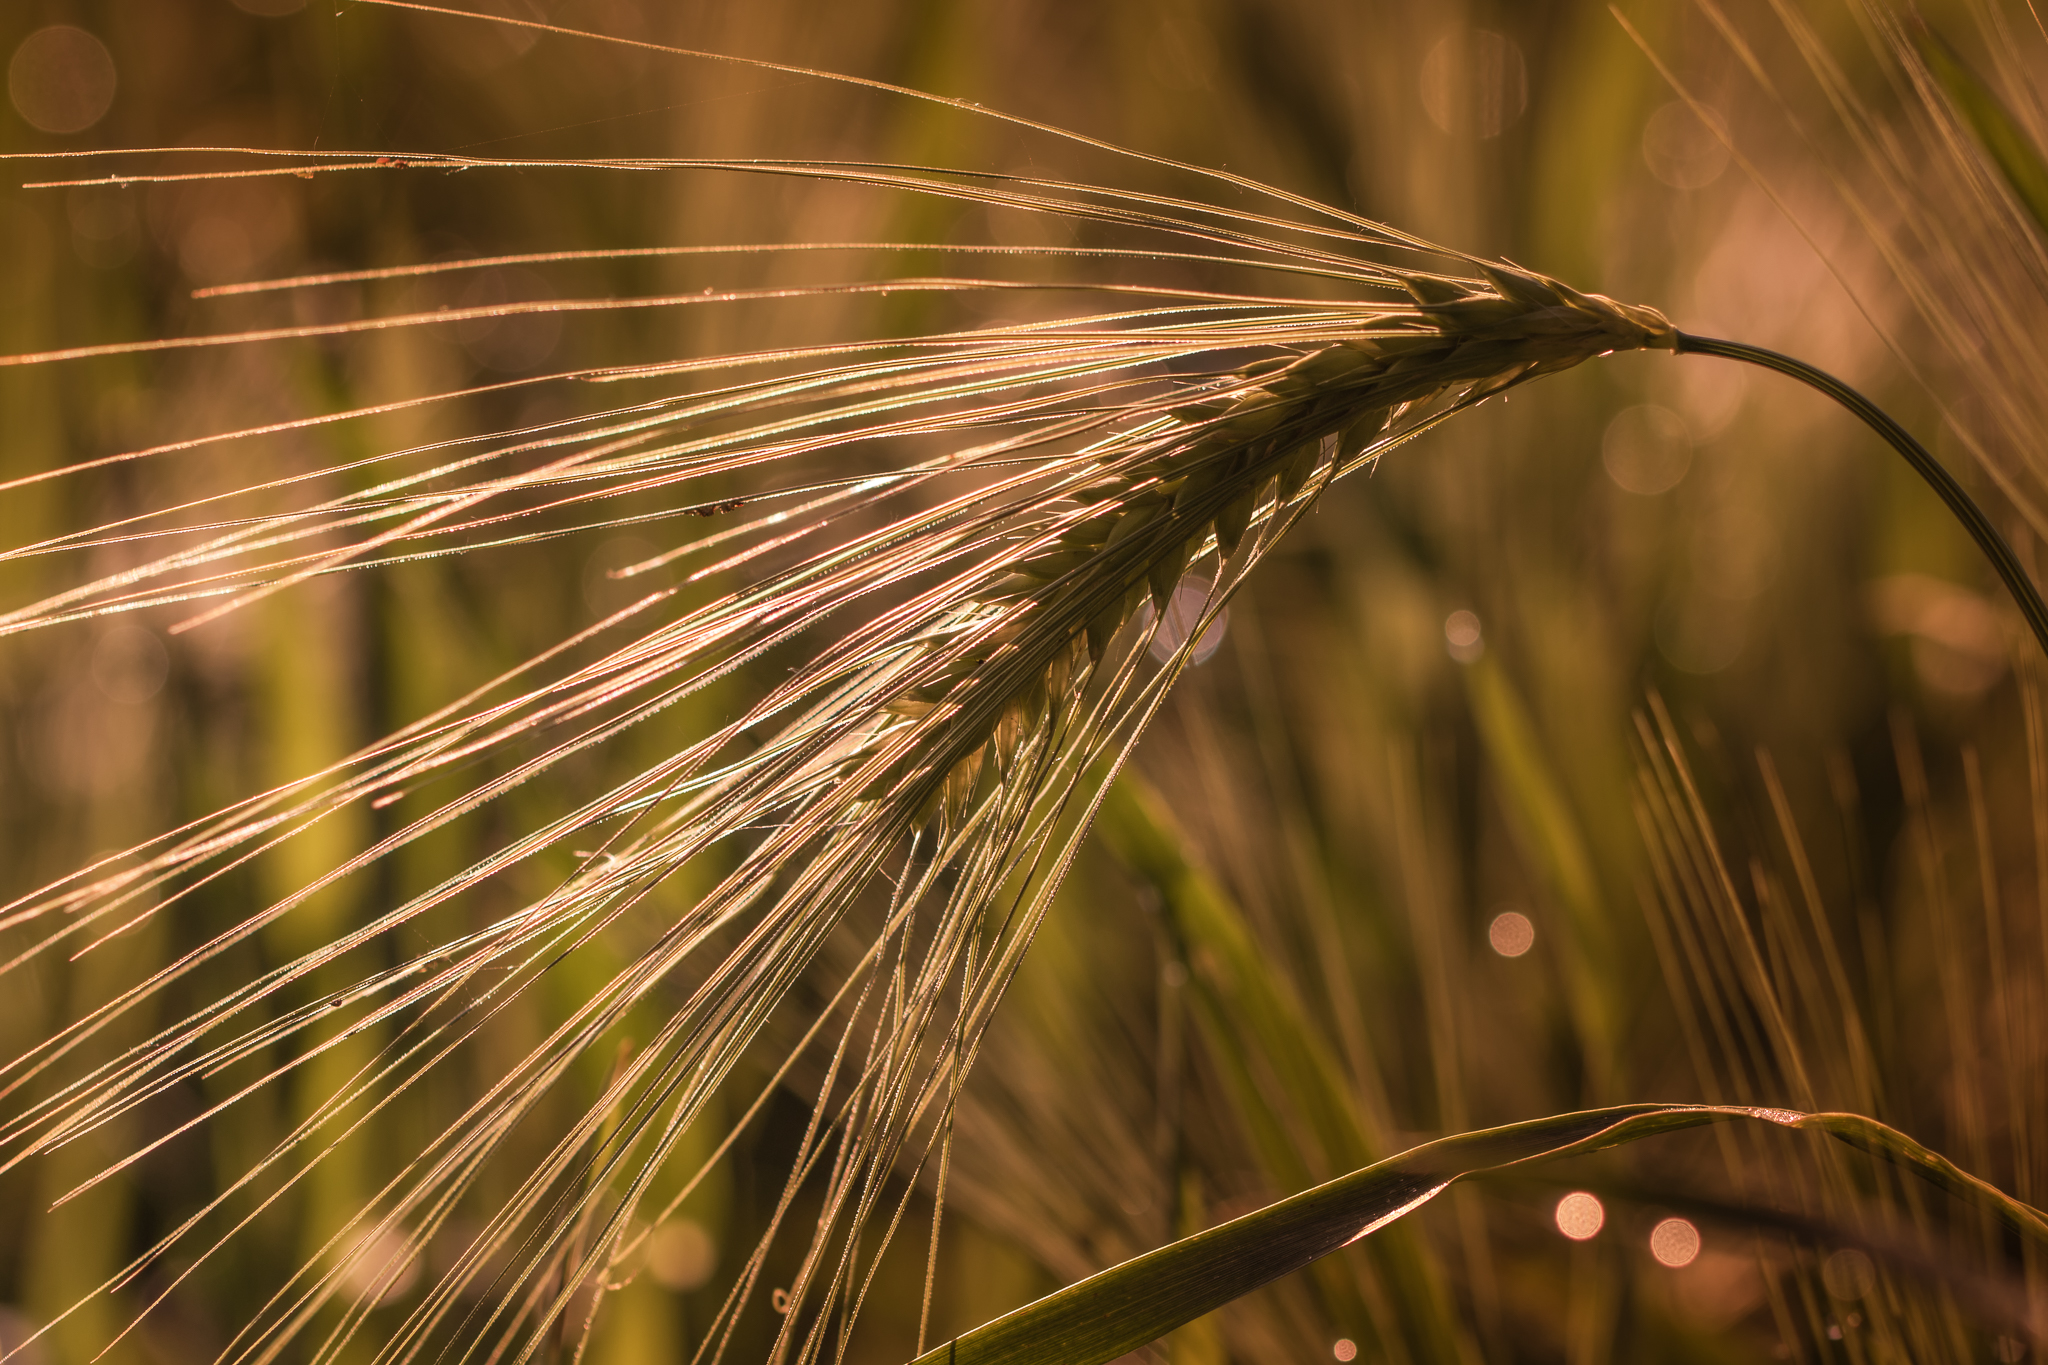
{"points": [[1959, 502]]}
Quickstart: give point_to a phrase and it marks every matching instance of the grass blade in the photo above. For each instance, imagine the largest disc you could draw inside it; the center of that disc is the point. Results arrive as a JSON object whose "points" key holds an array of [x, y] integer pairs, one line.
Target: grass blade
{"points": [[1129, 1305]]}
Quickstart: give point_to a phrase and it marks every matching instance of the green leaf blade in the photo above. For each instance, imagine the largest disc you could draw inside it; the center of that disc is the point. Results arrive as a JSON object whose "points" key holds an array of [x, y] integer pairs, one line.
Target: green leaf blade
{"points": [[1129, 1305]]}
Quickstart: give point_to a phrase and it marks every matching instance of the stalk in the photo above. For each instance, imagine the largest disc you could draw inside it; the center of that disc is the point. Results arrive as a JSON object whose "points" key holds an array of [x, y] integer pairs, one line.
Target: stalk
{"points": [[1924, 464]]}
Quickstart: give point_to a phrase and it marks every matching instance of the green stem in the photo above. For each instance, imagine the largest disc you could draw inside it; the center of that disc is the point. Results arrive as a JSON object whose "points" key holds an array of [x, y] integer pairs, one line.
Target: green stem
{"points": [[1959, 502]]}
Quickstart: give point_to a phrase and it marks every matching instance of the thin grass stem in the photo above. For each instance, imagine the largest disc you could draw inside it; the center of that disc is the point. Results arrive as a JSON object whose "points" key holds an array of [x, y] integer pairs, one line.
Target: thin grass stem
{"points": [[1924, 464]]}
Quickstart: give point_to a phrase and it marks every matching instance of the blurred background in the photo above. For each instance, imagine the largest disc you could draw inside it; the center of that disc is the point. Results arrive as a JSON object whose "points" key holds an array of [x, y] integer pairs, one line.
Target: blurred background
{"points": [[1652, 735]]}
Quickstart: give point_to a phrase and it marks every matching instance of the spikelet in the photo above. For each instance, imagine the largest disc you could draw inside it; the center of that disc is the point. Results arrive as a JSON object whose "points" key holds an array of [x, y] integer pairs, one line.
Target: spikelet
{"points": [[1246, 448]]}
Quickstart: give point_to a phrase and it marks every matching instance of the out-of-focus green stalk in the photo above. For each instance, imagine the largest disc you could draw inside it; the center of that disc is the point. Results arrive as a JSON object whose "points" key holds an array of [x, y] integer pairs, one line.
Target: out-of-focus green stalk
{"points": [[1255, 1030]]}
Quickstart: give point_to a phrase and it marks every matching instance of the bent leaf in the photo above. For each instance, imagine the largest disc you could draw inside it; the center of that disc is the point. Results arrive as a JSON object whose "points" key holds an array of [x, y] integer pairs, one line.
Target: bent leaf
{"points": [[1129, 1305]]}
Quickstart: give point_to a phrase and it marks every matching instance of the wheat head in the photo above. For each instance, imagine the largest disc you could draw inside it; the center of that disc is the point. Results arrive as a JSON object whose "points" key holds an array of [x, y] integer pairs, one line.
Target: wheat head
{"points": [[966, 667]]}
